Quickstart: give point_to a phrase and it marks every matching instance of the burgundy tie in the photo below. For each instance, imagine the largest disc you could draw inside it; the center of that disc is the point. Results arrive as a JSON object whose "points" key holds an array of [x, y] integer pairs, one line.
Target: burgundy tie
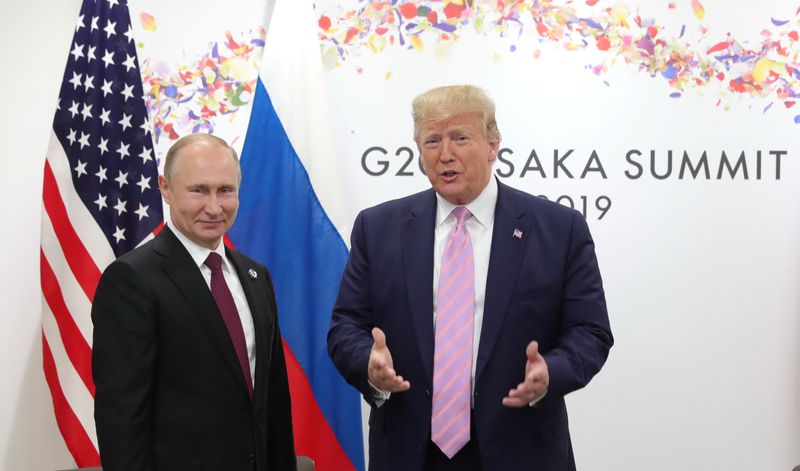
{"points": [[227, 307], [452, 359]]}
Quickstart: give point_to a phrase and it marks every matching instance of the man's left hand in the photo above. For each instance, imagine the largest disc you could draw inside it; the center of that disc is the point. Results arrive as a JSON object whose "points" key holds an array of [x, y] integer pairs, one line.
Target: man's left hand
{"points": [[537, 378]]}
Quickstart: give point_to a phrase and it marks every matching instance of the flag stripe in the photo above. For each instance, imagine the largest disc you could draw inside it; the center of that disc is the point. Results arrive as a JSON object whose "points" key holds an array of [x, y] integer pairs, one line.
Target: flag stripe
{"points": [[82, 221], [75, 299], [78, 258], [74, 391], [78, 442], [79, 352], [313, 434]]}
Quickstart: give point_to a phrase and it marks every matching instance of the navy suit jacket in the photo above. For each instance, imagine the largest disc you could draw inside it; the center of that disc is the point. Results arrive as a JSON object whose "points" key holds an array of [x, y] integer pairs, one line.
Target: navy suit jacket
{"points": [[170, 393], [543, 286]]}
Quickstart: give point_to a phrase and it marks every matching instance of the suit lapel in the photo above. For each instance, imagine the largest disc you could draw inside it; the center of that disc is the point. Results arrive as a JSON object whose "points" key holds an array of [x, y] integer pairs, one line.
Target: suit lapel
{"points": [[418, 238], [508, 243], [263, 317], [184, 273]]}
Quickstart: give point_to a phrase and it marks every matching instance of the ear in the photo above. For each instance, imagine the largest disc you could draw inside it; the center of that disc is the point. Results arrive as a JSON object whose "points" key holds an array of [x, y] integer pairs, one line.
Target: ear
{"points": [[164, 187], [494, 147]]}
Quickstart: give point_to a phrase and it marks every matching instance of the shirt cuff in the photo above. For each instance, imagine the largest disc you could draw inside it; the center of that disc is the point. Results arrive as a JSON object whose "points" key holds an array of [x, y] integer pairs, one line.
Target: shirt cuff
{"points": [[379, 396], [536, 401]]}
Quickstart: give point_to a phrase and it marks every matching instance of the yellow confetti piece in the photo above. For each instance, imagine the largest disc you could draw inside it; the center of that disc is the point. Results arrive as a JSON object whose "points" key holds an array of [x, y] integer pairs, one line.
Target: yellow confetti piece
{"points": [[388, 75], [480, 24], [699, 10], [620, 13], [330, 59], [148, 22], [237, 69], [763, 68], [417, 43]]}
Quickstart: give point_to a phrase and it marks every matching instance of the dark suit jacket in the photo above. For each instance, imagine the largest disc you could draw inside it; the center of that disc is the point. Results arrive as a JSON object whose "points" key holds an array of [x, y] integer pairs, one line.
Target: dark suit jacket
{"points": [[170, 394], [544, 286]]}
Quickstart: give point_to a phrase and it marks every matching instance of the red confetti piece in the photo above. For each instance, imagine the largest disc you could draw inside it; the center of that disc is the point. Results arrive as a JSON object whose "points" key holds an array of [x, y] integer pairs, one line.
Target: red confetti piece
{"points": [[433, 17], [542, 29], [671, 5], [170, 129], [718, 47], [652, 31], [788, 104], [408, 10], [721, 76], [793, 35], [232, 44], [603, 43], [591, 3], [324, 23], [381, 31], [350, 33], [453, 11]]}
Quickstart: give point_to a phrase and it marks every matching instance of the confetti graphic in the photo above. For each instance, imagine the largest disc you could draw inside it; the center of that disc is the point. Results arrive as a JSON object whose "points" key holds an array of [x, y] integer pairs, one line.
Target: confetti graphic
{"points": [[767, 70], [188, 97]]}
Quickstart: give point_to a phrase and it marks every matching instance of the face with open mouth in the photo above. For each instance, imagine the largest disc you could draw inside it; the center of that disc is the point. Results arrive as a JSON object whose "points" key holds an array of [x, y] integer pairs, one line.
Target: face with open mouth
{"points": [[457, 156]]}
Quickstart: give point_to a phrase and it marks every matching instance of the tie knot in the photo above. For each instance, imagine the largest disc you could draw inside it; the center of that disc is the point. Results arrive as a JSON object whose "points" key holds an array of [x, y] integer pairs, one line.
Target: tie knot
{"points": [[461, 214], [214, 261]]}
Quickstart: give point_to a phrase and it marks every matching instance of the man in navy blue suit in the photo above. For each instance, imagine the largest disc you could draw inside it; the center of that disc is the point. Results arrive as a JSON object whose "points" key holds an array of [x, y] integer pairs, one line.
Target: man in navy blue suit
{"points": [[483, 391]]}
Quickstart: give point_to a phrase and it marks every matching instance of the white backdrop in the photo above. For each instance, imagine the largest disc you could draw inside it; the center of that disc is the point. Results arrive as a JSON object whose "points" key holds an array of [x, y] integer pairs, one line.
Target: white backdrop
{"points": [[702, 277], [35, 37]]}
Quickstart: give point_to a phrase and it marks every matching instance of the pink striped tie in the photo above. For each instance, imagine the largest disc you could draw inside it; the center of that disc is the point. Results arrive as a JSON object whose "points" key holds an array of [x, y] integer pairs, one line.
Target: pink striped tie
{"points": [[452, 360]]}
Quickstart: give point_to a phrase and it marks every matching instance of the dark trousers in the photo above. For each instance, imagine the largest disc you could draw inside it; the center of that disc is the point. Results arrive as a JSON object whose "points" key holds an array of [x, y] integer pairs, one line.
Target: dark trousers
{"points": [[467, 458]]}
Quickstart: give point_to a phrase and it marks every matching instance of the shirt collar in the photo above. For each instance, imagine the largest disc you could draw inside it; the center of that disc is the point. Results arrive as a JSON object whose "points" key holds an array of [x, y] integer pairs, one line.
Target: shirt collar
{"points": [[482, 207], [198, 253]]}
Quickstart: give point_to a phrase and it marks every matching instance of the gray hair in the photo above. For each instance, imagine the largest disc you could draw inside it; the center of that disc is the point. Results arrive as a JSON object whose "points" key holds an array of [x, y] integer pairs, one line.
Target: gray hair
{"points": [[199, 138]]}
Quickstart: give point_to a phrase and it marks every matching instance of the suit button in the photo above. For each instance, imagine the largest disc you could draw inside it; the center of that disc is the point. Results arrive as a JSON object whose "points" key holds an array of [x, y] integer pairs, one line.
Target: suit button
{"points": [[251, 459], [419, 448], [428, 392]]}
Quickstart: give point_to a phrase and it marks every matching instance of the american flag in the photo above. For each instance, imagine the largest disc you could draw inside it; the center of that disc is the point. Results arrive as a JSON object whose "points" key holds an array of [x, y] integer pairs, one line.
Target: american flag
{"points": [[100, 200]]}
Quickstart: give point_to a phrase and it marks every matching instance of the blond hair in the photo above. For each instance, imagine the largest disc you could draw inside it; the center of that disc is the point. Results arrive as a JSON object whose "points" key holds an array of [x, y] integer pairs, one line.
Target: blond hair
{"points": [[198, 138], [445, 102]]}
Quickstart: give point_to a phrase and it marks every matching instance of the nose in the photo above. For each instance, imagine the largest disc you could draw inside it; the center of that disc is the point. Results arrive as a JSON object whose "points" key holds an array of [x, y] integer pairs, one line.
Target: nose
{"points": [[213, 206], [447, 154]]}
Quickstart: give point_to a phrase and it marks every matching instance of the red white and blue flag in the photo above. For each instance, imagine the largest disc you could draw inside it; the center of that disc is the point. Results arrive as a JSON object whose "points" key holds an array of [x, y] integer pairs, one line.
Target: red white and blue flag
{"points": [[100, 200], [291, 219]]}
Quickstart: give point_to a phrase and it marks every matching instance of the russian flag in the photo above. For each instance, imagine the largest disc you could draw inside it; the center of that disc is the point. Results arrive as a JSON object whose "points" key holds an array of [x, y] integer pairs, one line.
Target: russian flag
{"points": [[291, 219]]}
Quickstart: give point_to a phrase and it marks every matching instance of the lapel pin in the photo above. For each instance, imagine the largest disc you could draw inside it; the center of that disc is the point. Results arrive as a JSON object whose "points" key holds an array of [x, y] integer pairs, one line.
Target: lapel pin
{"points": [[517, 233], [252, 273]]}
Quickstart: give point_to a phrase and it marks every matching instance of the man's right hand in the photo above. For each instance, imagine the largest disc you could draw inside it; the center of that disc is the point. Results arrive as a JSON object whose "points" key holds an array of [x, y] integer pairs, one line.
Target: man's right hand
{"points": [[381, 369]]}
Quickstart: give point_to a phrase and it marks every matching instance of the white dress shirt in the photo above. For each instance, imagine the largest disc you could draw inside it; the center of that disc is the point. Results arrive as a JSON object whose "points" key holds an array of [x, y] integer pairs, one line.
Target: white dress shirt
{"points": [[480, 227], [199, 255]]}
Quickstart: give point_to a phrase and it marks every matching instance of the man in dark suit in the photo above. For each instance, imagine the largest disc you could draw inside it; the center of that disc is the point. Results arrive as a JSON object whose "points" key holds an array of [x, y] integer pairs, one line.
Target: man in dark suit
{"points": [[187, 358], [468, 311]]}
